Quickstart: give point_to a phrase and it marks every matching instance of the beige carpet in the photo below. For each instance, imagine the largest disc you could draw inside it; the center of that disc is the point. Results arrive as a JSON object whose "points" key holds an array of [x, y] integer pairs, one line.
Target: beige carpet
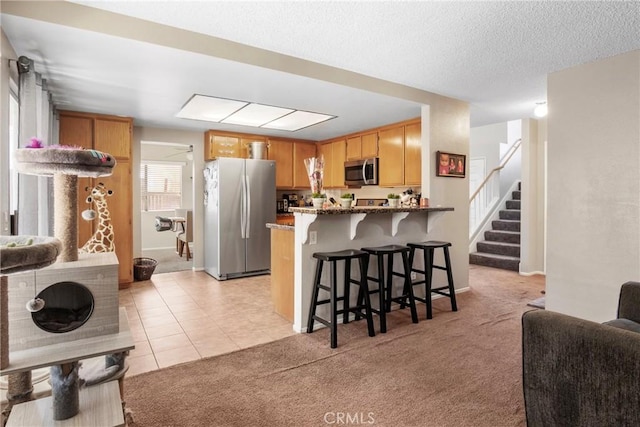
{"points": [[168, 260], [457, 369]]}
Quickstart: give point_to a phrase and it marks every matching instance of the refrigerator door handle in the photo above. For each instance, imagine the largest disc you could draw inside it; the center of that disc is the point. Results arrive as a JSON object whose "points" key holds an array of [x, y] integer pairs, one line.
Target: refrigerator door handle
{"points": [[248, 220], [243, 208]]}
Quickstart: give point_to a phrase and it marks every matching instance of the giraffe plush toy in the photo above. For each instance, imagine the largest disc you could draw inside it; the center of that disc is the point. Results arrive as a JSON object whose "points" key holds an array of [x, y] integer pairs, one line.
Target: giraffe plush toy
{"points": [[102, 239]]}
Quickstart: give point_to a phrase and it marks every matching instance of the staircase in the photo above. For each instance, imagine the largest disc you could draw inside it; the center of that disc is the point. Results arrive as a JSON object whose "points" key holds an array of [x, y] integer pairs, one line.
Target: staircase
{"points": [[501, 247]]}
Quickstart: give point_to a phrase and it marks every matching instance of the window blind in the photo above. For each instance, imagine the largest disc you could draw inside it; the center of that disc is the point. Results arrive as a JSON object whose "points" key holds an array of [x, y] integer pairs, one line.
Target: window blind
{"points": [[160, 186]]}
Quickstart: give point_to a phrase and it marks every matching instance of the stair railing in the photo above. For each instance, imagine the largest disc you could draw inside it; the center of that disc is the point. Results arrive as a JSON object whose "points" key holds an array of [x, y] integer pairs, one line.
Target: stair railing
{"points": [[483, 201]]}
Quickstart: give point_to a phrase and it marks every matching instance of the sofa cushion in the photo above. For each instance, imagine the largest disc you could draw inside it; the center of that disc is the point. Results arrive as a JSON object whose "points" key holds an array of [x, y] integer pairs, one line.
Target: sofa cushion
{"points": [[626, 324]]}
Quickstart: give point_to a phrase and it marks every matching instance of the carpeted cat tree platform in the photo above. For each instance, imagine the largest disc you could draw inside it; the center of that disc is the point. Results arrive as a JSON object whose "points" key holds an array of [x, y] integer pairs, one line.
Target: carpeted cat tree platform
{"points": [[24, 253]]}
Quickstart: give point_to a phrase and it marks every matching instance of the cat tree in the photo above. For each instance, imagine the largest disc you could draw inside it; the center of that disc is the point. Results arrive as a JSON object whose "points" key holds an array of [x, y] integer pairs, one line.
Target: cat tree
{"points": [[65, 164]]}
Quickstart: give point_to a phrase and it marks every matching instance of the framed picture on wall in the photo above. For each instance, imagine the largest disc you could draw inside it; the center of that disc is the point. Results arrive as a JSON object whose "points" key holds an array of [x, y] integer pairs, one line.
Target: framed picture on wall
{"points": [[449, 164]]}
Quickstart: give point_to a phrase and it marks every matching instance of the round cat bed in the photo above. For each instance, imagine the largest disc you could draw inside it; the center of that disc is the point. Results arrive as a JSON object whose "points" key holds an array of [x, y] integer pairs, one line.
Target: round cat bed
{"points": [[64, 160], [20, 253]]}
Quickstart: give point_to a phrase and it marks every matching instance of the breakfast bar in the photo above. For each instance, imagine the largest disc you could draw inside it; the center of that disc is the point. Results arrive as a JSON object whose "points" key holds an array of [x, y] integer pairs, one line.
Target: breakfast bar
{"points": [[333, 229]]}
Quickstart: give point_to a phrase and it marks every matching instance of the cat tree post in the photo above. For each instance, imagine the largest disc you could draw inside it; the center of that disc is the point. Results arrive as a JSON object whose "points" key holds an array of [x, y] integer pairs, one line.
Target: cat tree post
{"points": [[65, 224]]}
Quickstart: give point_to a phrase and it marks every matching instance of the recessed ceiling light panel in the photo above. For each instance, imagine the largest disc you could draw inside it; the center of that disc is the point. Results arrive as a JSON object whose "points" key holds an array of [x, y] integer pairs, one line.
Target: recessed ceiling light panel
{"points": [[256, 115], [230, 111], [208, 108], [298, 120]]}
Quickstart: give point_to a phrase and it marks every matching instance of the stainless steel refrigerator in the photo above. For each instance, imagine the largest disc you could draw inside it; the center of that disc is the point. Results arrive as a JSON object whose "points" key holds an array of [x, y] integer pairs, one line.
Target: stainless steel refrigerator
{"points": [[239, 199]]}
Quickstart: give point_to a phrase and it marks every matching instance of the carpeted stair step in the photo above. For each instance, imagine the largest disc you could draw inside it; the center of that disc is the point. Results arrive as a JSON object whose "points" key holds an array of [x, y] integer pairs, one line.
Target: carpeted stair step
{"points": [[499, 248], [505, 225], [515, 195], [510, 214], [502, 236], [496, 261], [513, 204]]}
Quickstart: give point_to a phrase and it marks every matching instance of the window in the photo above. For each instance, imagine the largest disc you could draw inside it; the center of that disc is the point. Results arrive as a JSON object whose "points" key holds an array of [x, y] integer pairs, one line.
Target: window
{"points": [[161, 186]]}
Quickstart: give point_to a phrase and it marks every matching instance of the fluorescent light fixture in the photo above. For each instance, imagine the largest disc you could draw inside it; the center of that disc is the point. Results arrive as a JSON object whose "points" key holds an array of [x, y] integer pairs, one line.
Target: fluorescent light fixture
{"points": [[208, 108], [230, 111], [541, 109], [298, 120], [256, 115]]}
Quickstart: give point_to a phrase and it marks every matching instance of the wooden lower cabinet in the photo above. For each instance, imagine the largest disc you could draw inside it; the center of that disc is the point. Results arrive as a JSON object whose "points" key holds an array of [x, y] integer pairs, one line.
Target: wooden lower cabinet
{"points": [[282, 267]]}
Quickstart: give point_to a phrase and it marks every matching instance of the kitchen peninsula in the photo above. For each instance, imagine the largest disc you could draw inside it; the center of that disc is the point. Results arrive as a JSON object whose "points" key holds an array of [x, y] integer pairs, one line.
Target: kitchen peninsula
{"points": [[332, 229]]}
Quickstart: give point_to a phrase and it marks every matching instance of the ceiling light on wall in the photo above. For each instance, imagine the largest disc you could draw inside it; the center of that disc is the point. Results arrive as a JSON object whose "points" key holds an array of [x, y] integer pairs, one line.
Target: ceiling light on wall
{"points": [[541, 109], [229, 111]]}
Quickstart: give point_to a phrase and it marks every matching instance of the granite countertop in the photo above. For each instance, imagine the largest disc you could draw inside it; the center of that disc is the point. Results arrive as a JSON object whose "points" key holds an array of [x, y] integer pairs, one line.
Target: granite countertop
{"points": [[281, 226], [366, 209]]}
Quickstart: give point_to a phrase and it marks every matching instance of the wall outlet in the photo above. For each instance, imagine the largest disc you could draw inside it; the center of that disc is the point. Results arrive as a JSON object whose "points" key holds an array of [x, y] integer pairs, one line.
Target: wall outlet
{"points": [[414, 275], [313, 237]]}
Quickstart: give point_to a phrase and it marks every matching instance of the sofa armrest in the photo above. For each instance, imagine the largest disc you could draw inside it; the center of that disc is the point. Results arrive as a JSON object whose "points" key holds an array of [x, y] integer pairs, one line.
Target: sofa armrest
{"points": [[578, 373], [629, 303]]}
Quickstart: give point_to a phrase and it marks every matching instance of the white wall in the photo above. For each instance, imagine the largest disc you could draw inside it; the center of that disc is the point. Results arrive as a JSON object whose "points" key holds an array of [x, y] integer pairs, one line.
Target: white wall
{"points": [[179, 137], [593, 243], [485, 142]]}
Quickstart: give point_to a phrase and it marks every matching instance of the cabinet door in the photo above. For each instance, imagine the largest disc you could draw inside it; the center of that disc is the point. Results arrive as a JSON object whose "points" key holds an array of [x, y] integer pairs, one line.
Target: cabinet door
{"points": [[354, 148], [370, 145], [413, 154], [282, 153], [76, 131], [301, 151], [337, 169], [121, 212], [326, 151], [221, 146], [391, 153], [113, 137]]}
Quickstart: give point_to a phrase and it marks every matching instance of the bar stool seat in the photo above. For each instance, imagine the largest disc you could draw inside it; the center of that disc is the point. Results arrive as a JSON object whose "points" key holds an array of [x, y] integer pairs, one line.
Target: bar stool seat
{"points": [[448, 290], [364, 302], [385, 284]]}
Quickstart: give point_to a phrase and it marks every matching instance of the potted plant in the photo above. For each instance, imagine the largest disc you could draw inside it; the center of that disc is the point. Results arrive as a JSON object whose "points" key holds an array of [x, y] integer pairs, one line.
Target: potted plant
{"points": [[318, 200], [345, 200], [393, 199]]}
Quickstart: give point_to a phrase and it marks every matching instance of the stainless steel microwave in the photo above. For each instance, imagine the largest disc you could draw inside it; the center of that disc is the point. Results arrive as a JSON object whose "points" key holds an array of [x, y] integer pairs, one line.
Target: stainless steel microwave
{"points": [[361, 172]]}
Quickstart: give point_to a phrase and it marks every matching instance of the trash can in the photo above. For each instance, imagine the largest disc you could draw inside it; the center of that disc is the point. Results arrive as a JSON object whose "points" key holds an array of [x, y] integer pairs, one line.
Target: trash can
{"points": [[143, 268]]}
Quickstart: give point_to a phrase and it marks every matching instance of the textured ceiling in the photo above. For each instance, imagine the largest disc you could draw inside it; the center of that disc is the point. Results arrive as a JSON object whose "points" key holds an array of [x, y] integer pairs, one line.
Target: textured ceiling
{"points": [[495, 55]]}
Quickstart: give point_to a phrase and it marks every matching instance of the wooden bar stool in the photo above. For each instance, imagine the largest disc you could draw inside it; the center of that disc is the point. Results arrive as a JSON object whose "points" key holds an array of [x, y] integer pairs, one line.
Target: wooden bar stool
{"points": [[385, 289], [333, 257], [428, 249]]}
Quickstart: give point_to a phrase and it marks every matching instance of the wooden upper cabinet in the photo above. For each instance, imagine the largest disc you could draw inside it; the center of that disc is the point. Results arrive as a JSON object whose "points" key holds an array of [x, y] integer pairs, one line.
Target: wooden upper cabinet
{"points": [[339, 152], [76, 130], [354, 148], [217, 145], [301, 151], [282, 153], [326, 151], [413, 154], [369, 145], [391, 153], [113, 136]]}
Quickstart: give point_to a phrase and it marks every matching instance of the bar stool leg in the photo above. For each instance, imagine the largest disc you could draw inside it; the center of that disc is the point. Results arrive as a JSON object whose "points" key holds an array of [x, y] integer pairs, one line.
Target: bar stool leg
{"points": [[452, 292], [314, 296], [389, 283], [408, 288], [334, 305], [347, 291], [383, 304], [364, 266], [428, 269]]}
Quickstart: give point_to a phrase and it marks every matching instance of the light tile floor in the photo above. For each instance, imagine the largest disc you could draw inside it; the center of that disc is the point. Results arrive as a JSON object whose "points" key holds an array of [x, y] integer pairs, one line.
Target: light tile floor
{"points": [[183, 316]]}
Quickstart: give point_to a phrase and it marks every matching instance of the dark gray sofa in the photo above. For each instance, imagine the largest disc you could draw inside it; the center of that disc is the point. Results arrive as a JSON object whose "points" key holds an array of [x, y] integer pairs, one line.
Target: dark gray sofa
{"points": [[582, 373]]}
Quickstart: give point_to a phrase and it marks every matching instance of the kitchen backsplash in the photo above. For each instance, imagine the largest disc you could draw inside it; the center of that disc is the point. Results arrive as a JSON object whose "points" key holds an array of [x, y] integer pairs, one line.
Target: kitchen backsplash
{"points": [[368, 192]]}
